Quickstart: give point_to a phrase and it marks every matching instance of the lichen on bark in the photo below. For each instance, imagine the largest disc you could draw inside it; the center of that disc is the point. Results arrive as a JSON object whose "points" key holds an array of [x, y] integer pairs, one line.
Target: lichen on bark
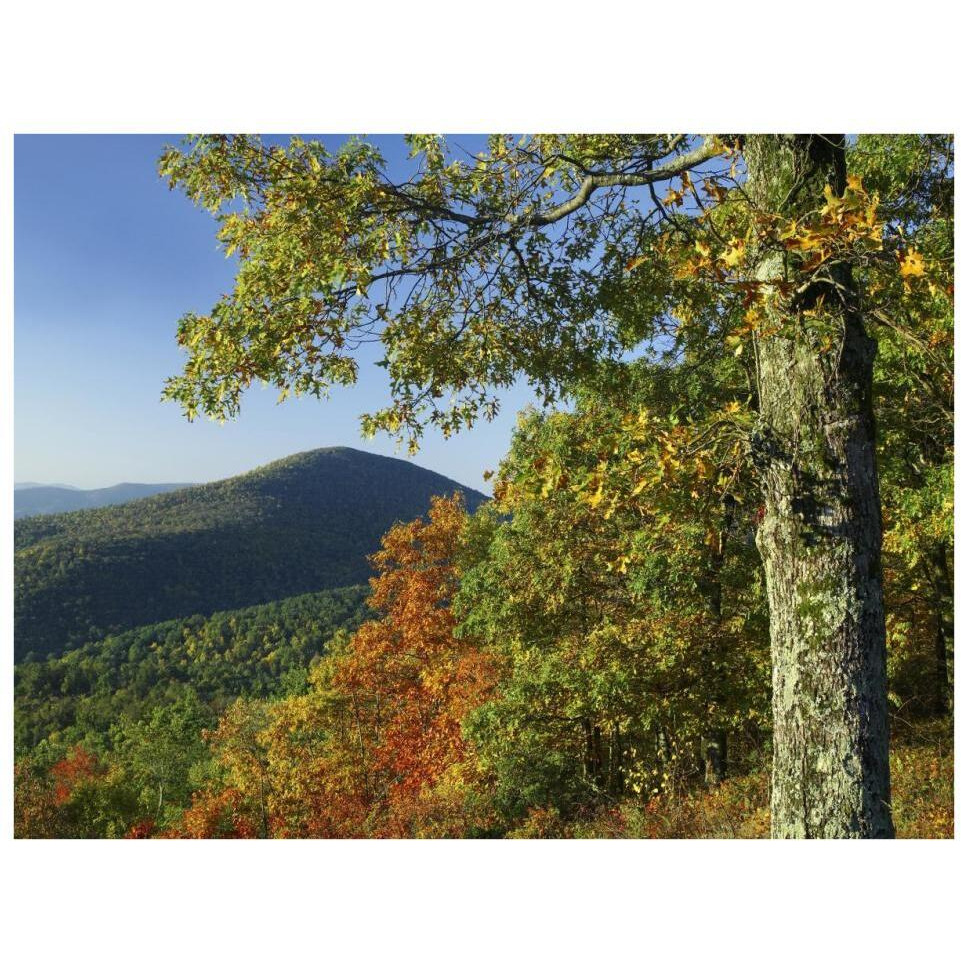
{"points": [[820, 538]]}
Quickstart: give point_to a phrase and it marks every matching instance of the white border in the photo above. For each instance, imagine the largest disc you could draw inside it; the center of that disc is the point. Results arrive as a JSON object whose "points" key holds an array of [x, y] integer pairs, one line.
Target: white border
{"points": [[385, 67]]}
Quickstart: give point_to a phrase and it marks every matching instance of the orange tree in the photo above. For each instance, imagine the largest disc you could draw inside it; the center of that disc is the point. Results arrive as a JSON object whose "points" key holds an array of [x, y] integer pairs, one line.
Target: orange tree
{"points": [[413, 681]]}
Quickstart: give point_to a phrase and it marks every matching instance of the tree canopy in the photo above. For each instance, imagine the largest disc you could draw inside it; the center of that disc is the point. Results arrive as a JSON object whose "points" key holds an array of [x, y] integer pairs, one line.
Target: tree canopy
{"points": [[536, 257]]}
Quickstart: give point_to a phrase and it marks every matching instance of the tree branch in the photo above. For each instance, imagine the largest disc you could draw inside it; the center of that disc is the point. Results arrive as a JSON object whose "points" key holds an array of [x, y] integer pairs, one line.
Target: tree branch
{"points": [[593, 182]]}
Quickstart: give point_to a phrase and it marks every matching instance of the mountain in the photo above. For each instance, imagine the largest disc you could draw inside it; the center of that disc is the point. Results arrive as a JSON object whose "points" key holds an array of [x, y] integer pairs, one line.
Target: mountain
{"points": [[299, 525], [32, 499]]}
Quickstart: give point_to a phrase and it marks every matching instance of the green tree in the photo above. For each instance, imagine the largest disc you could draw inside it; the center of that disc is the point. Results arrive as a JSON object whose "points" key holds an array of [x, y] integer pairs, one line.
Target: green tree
{"points": [[474, 271], [159, 755], [627, 611]]}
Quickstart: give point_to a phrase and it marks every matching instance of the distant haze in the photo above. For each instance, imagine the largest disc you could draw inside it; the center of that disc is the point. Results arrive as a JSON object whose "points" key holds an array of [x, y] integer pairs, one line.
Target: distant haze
{"points": [[29, 500], [26, 485]]}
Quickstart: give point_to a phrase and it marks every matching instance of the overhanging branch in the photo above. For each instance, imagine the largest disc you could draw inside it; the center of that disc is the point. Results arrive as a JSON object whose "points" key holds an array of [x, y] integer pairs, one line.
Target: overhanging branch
{"points": [[593, 182]]}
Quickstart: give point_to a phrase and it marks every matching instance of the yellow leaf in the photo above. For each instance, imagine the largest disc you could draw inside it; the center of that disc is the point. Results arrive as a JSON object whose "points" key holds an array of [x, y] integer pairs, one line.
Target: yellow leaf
{"points": [[912, 264], [734, 254], [833, 201], [790, 231]]}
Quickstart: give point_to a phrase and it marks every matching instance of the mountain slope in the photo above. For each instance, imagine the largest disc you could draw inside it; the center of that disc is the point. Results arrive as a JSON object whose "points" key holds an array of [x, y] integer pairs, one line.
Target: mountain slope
{"points": [[305, 523], [30, 500], [256, 651]]}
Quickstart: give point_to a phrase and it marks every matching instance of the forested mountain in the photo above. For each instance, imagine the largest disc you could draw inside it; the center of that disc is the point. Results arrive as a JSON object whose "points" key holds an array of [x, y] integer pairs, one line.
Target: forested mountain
{"points": [[302, 524], [32, 499]]}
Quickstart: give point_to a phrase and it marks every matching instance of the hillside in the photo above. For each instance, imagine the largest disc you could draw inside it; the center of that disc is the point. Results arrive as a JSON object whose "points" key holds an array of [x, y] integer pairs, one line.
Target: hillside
{"points": [[257, 651], [32, 499], [298, 525]]}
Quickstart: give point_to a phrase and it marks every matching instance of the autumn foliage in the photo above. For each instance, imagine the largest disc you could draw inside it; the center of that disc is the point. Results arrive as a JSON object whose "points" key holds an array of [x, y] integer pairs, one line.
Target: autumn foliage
{"points": [[590, 654], [410, 681], [375, 747]]}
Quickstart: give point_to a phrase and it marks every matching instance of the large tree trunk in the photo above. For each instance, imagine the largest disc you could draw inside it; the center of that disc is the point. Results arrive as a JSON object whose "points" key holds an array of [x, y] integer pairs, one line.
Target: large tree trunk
{"points": [[820, 536]]}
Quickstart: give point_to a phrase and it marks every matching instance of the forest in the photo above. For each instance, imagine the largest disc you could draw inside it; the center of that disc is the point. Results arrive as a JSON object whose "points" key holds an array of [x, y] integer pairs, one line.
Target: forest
{"points": [[259, 651], [712, 595]]}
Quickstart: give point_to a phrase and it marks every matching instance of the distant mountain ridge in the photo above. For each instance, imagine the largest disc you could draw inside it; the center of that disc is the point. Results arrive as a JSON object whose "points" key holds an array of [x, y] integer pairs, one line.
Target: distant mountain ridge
{"points": [[26, 485], [302, 524], [31, 499]]}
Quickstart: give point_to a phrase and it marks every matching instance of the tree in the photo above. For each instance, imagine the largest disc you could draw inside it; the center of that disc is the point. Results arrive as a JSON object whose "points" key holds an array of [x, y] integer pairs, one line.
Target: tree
{"points": [[77, 796], [241, 751], [820, 539], [914, 391], [477, 270], [374, 747], [158, 754], [625, 611]]}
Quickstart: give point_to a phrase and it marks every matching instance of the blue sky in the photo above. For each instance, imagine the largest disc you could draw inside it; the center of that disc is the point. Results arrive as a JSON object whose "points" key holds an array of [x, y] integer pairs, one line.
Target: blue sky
{"points": [[107, 258]]}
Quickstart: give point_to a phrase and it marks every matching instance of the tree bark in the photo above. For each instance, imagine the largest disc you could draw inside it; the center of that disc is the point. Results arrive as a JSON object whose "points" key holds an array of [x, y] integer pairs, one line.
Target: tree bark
{"points": [[943, 585], [714, 756], [820, 536]]}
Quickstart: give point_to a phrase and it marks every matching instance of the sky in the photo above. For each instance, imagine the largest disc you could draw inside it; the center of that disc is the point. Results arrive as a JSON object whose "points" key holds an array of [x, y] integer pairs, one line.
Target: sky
{"points": [[106, 259]]}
